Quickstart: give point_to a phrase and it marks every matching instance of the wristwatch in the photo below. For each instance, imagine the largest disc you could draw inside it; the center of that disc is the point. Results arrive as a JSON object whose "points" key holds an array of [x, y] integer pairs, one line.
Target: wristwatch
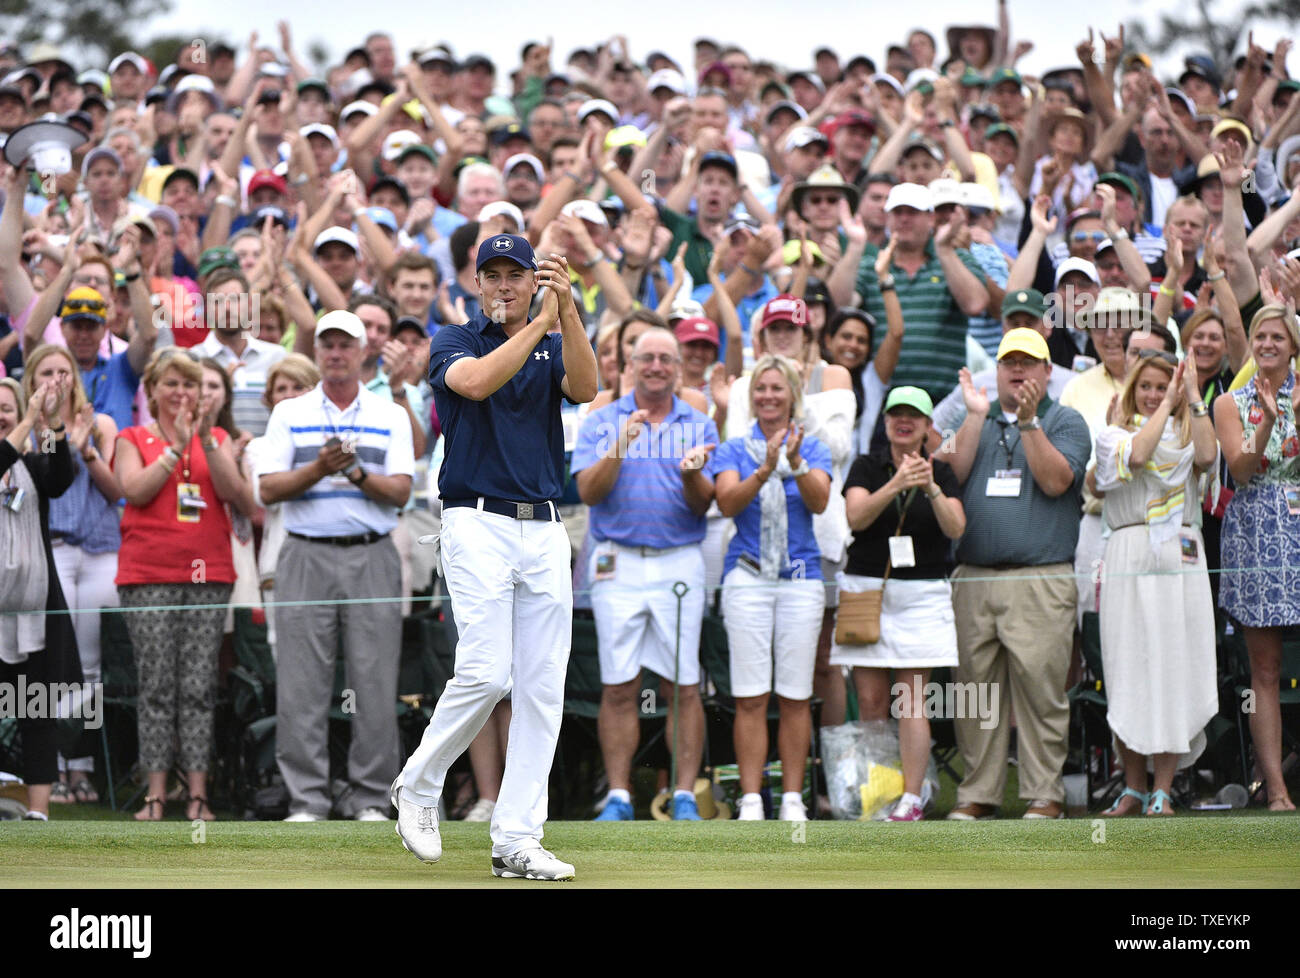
{"points": [[1120, 235], [1200, 410], [360, 478], [886, 283], [1033, 424], [804, 469]]}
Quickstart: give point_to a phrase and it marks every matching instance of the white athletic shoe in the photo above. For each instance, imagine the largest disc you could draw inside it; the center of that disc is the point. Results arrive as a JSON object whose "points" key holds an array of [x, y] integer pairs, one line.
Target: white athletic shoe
{"points": [[372, 814], [481, 812], [417, 827], [751, 810], [532, 864], [792, 810], [304, 817]]}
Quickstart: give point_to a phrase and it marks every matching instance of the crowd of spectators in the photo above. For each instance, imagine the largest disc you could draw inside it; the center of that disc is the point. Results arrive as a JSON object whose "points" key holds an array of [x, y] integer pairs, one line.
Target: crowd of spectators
{"points": [[1024, 346]]}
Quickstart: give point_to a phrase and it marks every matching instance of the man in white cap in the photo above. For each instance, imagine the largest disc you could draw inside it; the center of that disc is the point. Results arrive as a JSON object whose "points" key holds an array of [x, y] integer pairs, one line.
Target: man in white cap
{"points": [[340, 460]]}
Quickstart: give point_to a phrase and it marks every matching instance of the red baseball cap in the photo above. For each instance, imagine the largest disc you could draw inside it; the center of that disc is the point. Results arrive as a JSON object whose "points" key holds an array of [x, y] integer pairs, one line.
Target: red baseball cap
{"points": [[266, 178], [787, 309], [855, 117], [697, 328]]}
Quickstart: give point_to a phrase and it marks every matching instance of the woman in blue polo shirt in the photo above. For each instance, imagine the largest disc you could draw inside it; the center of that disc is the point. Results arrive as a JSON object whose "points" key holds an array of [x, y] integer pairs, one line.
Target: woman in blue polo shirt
{"points": [[771, 482]]}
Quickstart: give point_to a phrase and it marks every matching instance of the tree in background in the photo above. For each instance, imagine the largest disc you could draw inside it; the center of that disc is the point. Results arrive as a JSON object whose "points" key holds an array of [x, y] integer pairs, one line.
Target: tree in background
{"points": [[1199, 29], [104, 26]]}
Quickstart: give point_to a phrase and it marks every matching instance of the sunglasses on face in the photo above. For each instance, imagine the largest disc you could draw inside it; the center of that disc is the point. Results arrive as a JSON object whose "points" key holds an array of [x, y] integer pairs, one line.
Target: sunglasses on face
{"points": [[84, 305], [818, 200], [1079, 236]]}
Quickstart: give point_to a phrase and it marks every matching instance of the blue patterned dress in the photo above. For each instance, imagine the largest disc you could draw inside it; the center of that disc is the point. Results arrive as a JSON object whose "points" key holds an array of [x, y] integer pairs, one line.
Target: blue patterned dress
{"points": [[1260, 585]]}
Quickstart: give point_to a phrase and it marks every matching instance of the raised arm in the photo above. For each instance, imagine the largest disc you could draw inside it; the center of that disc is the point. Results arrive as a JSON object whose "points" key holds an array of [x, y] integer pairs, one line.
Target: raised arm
{"points": [[17, 284], [1025, 267], [966, 444]]}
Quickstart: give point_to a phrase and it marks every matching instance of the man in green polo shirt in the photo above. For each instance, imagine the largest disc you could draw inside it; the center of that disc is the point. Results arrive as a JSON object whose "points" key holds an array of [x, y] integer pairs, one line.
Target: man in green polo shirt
{"points": [[717, 191], [939, 287], [1020, 458]]}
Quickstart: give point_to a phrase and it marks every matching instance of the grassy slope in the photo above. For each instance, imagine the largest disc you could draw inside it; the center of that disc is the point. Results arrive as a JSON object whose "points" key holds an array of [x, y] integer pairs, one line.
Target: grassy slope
{"points": [[1205, 852]]}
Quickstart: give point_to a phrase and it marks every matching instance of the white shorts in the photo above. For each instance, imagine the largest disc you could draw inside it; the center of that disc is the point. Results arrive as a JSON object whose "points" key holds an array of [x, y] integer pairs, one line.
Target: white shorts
{"points": [[917, 626], [636, 613], [763, 617]]}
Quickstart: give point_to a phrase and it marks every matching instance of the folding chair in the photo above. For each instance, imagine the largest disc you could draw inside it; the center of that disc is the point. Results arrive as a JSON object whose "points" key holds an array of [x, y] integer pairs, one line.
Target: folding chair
{"points": [[1088, 714]]}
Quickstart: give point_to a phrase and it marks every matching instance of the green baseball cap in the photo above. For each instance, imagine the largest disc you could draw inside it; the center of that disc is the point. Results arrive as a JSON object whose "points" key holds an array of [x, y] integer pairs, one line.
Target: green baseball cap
{"points": [[1001, 128], [970, 78], [1024, 300], [912, 397], [1005, 74], [214, 258], [1120, 180]]}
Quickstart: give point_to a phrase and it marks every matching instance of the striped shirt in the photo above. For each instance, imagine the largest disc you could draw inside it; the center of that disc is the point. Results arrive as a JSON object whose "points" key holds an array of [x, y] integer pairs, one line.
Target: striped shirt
{"points": [[247, 376], [647, 505], [333, 507], [934, 346], [83, 517]]}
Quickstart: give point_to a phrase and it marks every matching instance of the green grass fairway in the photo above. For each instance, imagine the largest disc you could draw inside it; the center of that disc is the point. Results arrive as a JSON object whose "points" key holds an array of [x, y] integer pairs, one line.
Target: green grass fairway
{"points": [[1256, 851]]}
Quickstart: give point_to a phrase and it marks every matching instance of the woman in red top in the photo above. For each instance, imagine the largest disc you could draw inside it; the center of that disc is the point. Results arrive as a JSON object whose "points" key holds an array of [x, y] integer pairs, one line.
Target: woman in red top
{"points": [[175, 475]]}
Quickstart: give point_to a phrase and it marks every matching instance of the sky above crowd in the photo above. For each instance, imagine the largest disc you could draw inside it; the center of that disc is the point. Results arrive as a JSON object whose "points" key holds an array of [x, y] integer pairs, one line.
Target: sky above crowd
{"points": [[766, 28]]}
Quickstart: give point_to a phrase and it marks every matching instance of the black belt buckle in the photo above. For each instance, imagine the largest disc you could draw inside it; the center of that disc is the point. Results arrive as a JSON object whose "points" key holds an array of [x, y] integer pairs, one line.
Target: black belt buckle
{"points": [[523, 511]]}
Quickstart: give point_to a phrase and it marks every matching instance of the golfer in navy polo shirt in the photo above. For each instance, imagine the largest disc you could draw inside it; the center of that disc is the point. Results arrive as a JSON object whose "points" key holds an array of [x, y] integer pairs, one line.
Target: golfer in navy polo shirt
{"points": [[497, 382]]}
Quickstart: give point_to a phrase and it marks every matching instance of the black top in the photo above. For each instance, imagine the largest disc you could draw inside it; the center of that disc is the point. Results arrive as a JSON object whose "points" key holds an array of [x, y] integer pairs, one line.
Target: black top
{"points": [[870, 547]]}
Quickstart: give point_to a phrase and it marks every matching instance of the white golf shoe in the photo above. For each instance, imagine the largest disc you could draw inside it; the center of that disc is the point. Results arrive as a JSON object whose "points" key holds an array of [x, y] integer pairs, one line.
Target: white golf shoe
{"points": [[417, 827], [531, 864]]}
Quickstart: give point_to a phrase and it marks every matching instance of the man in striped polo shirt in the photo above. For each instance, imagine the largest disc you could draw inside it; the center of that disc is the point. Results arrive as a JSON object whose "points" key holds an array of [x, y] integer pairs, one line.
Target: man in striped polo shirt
{"points": [[233, 343], [340, 459], [639, 465], [939, 287]]}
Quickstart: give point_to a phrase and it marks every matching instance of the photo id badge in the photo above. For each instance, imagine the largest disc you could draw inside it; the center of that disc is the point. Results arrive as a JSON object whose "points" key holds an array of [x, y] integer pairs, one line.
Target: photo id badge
{"points": [[1293, 500], [901, 553], [189, 502], [1188, 544], [1004, 482], [606, 562]]}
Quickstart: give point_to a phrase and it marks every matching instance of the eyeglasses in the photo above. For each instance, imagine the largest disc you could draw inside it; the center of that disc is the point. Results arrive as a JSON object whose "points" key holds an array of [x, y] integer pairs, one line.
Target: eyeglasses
{"points": [[818, 200], [667, 359], [1147, 354], [1081, 236]]}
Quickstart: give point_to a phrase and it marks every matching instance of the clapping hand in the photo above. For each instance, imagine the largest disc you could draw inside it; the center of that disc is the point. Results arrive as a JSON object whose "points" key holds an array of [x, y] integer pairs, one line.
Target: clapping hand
{"points": [[695, 458], [977, 401], [1175, 392], [82, 425], [915, 473], [794, 439], [633, 425], [1031, 392]]}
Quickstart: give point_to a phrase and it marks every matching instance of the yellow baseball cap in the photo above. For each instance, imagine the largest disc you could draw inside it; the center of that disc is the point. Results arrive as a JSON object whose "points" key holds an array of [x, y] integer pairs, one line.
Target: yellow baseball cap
{"points": [[1024, 340]]}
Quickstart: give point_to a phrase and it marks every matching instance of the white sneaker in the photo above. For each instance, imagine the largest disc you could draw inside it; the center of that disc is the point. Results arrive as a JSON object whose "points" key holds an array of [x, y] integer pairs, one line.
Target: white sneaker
{"points": [[305, 817], [417, 827], [481, 812], [532, 864], [792, 810], [371, 814], [751, 810]]}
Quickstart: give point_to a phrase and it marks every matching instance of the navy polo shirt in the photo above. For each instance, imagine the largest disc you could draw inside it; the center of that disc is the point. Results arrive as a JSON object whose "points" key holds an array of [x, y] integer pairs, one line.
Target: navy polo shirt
{"points": [[509, 445], [111, 385]]}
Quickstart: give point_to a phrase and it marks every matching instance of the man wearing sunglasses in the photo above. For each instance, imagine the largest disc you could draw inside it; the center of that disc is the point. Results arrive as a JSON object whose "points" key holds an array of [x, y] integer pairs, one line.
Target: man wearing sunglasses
{"points": [[639, 465]]}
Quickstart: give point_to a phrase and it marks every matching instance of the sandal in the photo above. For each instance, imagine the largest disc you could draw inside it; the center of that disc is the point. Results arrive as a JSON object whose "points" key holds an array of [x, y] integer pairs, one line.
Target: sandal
{"points": [[1161, 803], [203, 807], [146, 814], [84, 792], [1114, 810], [59, 793]]}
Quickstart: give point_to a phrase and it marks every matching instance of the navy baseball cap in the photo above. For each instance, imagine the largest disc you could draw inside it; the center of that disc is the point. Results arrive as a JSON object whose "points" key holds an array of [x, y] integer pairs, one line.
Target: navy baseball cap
{"points": [[511, 246]]}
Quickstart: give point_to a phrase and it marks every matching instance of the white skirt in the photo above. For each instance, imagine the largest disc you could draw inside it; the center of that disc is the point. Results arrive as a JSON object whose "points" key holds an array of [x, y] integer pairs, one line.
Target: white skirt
{"points": [[917, 627]]}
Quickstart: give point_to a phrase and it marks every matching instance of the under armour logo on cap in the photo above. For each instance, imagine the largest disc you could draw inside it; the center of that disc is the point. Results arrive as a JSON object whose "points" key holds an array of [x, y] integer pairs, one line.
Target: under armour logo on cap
{"points": [[502, 243]]}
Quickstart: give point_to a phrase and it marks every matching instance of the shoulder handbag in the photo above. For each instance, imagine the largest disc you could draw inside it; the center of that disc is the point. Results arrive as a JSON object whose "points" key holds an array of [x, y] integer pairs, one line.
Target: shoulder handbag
{"points": [[857, 621]]}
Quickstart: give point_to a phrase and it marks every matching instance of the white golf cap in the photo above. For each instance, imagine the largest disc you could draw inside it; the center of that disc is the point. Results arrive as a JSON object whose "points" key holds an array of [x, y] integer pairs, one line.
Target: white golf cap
{"points": [[131, 58], [909, 195], [502, 207], [340, 234], [396, 142], [597, 105], [801, 136], [587, 210], [978, 195], [362, 106], [344, 322], [945, 191], [527, 159], [919, 77], [1076, 265], [686, 309], [890, 80], [320, 129], [667, 78]]}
